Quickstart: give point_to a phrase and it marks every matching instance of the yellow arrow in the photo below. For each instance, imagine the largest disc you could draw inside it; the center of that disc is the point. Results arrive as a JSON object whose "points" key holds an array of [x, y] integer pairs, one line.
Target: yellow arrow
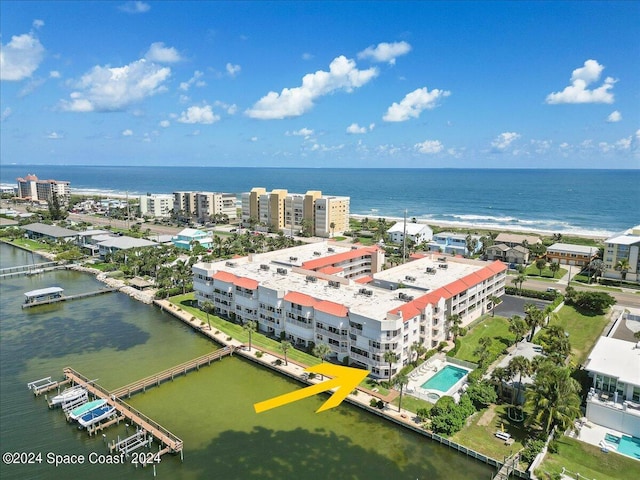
{"points": [[345, 380]]}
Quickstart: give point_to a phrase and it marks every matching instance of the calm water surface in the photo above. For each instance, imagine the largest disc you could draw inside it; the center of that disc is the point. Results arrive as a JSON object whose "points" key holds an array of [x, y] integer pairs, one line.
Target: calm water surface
{"points": [[117, 340]]}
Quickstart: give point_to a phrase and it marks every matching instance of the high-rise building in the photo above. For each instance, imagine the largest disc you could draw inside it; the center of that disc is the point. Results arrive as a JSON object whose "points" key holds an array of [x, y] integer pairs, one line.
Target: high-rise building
{"points": [[205, 206], [281, 210], [156, 205], [35, 190], [622, 255]]}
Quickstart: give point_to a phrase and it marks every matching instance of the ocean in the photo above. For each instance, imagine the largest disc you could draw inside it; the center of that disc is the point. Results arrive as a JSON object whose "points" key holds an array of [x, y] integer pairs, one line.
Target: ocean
{"points": [[577, 202]]}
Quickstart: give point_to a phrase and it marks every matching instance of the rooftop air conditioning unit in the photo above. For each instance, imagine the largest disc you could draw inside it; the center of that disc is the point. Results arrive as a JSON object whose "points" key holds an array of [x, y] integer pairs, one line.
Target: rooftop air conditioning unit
{"points": [[264, 267]]}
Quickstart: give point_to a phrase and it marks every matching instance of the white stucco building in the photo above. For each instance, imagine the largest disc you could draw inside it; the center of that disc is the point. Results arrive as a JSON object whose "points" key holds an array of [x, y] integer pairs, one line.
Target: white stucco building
{"points": [[416, 232]]}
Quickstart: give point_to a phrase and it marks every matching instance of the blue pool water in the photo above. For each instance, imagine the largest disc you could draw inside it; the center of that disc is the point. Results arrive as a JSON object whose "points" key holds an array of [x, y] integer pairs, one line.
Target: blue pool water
{"points": [[445, 378], [629, 446]]}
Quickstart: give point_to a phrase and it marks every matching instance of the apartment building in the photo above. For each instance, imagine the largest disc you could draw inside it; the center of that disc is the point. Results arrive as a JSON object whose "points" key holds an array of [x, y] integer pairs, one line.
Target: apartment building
{"points": [[320, 293], [453, 243], [622, 255], [35, 190], [416, 232], [569, 254], [281, 210], [156, 205], [204, 206]]}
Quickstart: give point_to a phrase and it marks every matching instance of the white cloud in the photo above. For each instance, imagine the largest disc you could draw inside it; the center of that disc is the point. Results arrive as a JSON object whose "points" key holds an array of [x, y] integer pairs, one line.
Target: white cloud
{"points": [[292, 102], [385, 52], [307, 56], [20, 57], [614, 116], [161, 54], [164, 123], [134, 7], [254, 139], [127, 133], [230, 109], [195, 114], [233, 70], [354, 128], [6, 113], [578, 92], [303, 132], [413, 104], [429, 146], [115, 88], [55, 136], [37, 23], [54, 74], [194, 80], [502, 141]]}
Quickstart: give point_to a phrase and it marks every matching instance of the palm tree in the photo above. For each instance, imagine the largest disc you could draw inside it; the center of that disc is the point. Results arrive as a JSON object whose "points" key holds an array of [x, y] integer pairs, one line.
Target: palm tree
{"points": [[321, 350], [401, 380], [518, 366], [471, 244], [495, 301], [534, 318], [250, 326], [623, 267], [540, 264], [285, 346], [483, 349], [332, 226], [499, 376], [419, 349], [554, 398], [518, 327], [554, 267], [596, 269], [453, 324], [207, 306], [183, 273], [390, 357], [519, 280]]}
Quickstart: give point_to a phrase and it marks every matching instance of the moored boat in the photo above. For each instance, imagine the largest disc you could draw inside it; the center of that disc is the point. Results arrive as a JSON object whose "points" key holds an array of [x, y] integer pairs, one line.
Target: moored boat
{"points": [[95, 415], [78, 412], [68, 395]]}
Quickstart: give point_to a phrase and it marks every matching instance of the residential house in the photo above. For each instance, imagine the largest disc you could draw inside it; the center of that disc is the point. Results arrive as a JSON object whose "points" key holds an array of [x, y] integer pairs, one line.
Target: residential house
{"points": [[187, 238], [514, 239], [453, 243], [42, 231], [614, 398], [113, 244], [416, 232], [569, 254], [517, 254]]}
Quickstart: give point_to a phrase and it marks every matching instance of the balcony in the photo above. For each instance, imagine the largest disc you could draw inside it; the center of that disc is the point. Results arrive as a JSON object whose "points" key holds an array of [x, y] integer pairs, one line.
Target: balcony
{"points": [[332, 335], [297, 323]]}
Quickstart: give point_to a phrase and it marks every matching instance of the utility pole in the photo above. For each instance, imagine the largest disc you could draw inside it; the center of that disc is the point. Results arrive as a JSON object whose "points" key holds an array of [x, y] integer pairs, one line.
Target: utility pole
{"points": [[404, 238]]}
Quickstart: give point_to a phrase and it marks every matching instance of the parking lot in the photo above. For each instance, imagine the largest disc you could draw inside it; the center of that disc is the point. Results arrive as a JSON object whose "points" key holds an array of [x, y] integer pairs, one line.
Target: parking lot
{"points": [[514, 305]]}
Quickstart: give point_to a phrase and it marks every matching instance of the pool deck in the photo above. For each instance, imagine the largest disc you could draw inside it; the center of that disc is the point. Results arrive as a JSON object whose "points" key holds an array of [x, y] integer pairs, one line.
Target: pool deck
{"points": [[594, 434], [423, 373]]}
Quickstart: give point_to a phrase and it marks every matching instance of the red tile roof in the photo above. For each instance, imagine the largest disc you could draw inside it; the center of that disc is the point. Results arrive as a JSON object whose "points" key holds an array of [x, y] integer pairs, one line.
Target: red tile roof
{"points": [[363, 280], [454, 288], [330, 270], [247, 283], [335, 309], [300, 299], [224, 276], [408, 310], [332, 260]]}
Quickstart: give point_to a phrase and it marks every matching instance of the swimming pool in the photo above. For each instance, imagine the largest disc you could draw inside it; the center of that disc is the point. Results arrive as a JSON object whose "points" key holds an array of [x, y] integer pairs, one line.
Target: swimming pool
{"points": [[445, 378], [629, 446]]}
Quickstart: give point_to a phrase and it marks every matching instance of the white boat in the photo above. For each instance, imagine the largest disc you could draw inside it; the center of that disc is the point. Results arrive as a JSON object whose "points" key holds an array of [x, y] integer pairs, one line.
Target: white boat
{"points": [[95, 415], [68, 395], [78, 412]]}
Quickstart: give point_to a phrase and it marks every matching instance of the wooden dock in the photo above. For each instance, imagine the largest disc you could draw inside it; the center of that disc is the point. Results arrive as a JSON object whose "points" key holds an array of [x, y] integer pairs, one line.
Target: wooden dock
{"points": [[171, 443], [170, 373], [29, 269], [64, 298]]}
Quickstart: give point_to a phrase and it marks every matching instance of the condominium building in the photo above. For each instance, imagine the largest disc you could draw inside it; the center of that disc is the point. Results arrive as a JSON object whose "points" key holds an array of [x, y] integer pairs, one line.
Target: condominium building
{"points": [[622, 255], [35, 190], [203, 207], [454, 243], [570, 254], [322, 293], [157, 205], [281, 210]]}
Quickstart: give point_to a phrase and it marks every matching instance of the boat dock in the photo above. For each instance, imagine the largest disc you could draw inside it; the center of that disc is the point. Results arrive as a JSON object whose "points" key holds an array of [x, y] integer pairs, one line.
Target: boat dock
{"points": [[170, 442], [31, 302], [44, 385], [29, 269], [170, 373]]}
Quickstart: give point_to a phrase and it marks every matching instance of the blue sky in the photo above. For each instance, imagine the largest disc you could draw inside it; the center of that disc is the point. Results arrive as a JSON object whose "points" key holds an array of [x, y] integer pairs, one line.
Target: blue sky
{"points": [[313, 84]]}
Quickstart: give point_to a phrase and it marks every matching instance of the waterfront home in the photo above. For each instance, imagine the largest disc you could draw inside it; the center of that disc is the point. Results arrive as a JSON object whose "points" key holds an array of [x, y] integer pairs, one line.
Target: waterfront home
{"points": [[317, 293], [518, 254], [622, 255], [114, 244], [614, 398], [416, 232], [42, 231], [453, 243], [569, 254], [514, 239], [189, 237]]}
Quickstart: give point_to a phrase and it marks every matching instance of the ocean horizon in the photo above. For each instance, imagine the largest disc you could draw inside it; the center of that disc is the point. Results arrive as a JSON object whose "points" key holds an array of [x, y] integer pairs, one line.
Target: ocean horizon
{"points": [[568, 201]]}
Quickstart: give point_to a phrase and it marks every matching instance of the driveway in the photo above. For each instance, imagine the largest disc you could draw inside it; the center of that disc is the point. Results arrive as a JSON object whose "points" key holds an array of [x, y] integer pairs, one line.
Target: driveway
{"points": [[514, 305]]}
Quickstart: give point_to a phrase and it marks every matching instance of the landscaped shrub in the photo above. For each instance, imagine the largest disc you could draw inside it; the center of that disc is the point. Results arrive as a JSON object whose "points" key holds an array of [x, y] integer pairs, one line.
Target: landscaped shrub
{"points": [[447, 417], [454, 350], [259, 354], [442, 345], [373, 403], [229, 339], [530, 293], [380, 404], [422, 413], [482, 394], [531, 449], [476, 375]]}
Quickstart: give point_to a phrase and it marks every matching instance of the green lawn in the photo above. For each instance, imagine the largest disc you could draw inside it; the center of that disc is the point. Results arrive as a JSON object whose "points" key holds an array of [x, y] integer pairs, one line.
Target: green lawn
{"points": [[411, 403], [236, 331], [583, 330], [588, 461], [532, 271], [31, 244], [495, 327], [479, 432]]}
